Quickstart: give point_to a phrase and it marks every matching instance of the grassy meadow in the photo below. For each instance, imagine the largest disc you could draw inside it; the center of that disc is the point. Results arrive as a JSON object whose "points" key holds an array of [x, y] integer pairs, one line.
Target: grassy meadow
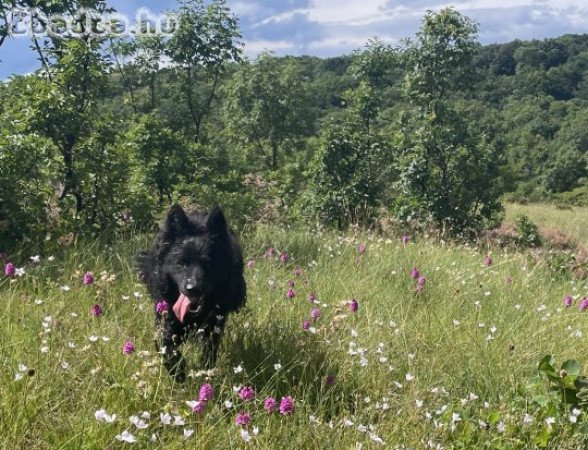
{"points": [[449, 364], [571, 221]]}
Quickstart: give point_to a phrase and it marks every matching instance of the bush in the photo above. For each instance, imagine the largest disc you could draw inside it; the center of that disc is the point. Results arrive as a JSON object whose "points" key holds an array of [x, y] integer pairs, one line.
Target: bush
{"points": [[26, 193], [344, 179], [528, 232], [576, 197]]}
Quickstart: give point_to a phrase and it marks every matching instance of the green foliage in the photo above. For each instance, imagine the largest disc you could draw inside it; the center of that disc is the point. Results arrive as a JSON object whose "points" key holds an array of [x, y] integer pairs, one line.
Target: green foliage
{"points": [[344, 185], [450, 173], [445, 126], [576, 197], [265, 111], [528, 232], [162, 158], [376, 64], [349, 175], [439, 61], [26, 197], [565, 170], [103, 181], [240, 204], [205, 40], [86, 173], [568, 385], [206, 35], [452, 177]]}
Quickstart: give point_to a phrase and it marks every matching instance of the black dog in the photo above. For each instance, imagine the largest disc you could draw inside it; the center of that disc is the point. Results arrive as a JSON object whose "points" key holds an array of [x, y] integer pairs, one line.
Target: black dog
{"points": [[196, 266]]}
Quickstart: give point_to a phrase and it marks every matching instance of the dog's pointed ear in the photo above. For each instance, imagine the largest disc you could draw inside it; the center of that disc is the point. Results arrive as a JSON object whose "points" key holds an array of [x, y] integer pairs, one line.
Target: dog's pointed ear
{"points": [[177, 221], [216, 222]]}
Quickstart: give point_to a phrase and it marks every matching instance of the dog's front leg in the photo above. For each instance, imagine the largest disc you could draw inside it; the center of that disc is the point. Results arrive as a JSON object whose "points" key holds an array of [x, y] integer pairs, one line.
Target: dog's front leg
{"points": [[171, 336], [212, 336]]}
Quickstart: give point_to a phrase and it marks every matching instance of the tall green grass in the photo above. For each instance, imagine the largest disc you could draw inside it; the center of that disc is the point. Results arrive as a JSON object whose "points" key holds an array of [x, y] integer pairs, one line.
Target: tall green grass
{"points": [[402, 364], [572, 221]]}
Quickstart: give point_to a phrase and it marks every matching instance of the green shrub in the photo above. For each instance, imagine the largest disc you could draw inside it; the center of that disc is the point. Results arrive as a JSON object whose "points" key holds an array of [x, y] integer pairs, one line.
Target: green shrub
{"points": [[528, 232]]}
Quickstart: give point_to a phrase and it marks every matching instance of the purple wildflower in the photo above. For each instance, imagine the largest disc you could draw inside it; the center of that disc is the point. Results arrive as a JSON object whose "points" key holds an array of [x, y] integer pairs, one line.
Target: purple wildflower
{"points": [[311, 298], [242, 418], [251, 264], [298, 271], [361, 249], [96, 310], [199, 407], [161, 307], [330, 380], [415, 273], [284, 257], [269, 252], [9, 269], [269, 404], [286, 405], [128, 348], [488, 261], [405, 238], [88, 278], [290, 284], [206, 392], [353, 305], [568, 300], [306, 325], [315, 313], [583, 304], [247, 393], [291, 293], [422, 280]]}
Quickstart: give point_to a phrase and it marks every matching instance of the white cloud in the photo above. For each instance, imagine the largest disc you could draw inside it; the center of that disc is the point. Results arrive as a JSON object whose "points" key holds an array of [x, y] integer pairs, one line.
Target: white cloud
{"points": [[254, 48], [345, 11], [487, 4], [244, 9], [279, 18]]}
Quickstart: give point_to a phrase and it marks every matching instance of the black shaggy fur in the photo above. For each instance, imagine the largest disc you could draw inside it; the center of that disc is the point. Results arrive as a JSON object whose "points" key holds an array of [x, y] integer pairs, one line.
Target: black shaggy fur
{"points": [[196, 255]]}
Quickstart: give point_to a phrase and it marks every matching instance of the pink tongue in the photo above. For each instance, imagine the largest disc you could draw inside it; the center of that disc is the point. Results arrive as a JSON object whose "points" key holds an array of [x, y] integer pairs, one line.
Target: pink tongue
{"points": [[181, 307]]}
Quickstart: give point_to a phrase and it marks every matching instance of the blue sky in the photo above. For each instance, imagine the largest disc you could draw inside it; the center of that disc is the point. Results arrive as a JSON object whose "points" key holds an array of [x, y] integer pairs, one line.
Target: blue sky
{"points": [[335, 27]]}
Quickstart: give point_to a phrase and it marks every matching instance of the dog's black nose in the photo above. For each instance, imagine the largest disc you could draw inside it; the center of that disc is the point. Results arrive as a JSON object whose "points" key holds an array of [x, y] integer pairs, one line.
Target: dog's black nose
{"points": [[192, 289]]}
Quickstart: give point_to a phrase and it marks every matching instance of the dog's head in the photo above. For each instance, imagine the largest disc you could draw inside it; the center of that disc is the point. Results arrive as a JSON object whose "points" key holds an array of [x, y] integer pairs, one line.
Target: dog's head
{"points": [[198, 259]]}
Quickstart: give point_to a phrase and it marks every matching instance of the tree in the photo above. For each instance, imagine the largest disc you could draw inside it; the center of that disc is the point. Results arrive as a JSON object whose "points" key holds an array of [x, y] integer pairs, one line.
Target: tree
{"points": [[350, 173], [447, 171], [265, 108], [138, 61], [161, 157], [150, 50], [205, 40], [343, 177], [376, 64], [26, 164], [62, 105], [7, 7], [124, 51]]}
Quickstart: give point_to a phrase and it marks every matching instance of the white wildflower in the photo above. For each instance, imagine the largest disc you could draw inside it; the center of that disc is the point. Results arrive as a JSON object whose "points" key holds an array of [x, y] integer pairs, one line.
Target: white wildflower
{"points": [[125, 436]]}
